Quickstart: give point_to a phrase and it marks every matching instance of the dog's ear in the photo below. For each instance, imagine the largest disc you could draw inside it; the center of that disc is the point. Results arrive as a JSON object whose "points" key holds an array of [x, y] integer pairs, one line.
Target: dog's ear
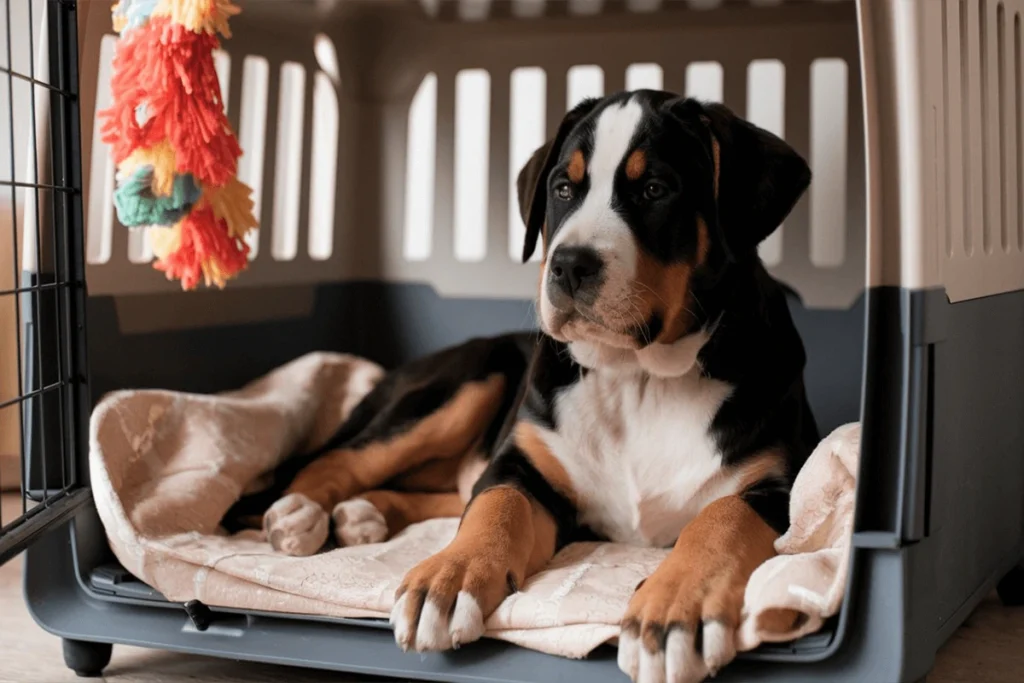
{"points": [[760, 177], [531, 184]]}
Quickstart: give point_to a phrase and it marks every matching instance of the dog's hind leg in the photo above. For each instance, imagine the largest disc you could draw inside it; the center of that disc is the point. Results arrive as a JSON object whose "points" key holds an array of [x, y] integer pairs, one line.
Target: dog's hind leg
{"points": [[376, 516], [298, 523]]}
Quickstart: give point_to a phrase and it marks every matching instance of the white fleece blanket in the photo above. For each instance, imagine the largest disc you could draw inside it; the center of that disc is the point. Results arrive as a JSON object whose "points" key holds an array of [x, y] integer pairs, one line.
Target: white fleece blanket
{"points": [[166, 467]]}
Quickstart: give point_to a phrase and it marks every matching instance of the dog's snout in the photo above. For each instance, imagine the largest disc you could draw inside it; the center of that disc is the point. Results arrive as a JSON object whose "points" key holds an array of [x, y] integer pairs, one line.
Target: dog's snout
{"points": [[575, 268]]}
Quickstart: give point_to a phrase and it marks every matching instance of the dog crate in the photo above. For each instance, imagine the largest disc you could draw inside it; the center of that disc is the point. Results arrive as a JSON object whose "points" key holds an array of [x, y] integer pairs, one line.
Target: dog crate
{"points": [[382, 139]]}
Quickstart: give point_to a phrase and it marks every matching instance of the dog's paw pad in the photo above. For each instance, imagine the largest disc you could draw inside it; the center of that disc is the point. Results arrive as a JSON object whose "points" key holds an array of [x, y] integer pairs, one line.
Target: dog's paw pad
{"points": [[296, 525], [358, 522]]}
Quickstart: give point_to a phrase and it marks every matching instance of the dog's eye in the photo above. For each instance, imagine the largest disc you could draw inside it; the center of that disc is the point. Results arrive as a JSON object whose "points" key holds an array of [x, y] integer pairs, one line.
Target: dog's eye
{"points": [[563, 191], [654, 190]]}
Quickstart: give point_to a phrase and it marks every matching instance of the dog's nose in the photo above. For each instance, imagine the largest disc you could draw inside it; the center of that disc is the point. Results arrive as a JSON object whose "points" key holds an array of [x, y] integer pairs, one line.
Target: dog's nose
{"points": [[573, 268]]}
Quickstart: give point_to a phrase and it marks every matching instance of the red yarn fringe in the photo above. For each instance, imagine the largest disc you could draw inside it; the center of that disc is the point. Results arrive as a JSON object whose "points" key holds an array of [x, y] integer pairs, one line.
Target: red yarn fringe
{"points": [[205, 251], [170, 70]]}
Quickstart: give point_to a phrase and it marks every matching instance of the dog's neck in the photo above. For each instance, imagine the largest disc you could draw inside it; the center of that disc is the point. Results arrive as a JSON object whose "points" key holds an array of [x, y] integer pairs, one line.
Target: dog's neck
{"points": [[658, 360]]}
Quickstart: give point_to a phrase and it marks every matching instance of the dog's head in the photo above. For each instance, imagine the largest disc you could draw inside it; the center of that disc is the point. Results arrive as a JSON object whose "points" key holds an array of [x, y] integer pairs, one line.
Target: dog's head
{"points": [[644, 201]]}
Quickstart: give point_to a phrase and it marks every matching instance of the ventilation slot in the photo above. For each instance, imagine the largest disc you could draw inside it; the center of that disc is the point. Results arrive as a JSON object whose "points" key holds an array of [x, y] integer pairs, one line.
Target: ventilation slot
{"points": [[704, 81], [642, 6], [323, 169], [585, 7], [766, 107], [222, 65], [528, 98], [528, 9], [100, 219], [252, 136], [583, 81], [645, 76], [472, 140], [828, 159], [288, 174], [1005, 171], [474, 10], [419, 171]]}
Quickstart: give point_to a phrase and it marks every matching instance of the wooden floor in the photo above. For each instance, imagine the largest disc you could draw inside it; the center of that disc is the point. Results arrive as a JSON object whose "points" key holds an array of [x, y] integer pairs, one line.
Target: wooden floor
{"points": [[989, 648]]}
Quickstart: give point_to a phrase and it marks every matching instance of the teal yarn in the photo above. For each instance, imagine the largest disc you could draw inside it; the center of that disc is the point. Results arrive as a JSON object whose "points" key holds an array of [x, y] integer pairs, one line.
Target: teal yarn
{"points": [[135, 12], [137, 206]]}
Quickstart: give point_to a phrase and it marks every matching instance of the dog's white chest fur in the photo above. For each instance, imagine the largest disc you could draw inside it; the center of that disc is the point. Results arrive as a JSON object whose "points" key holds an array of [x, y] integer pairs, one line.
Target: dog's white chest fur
{"points": [[638, 452]]}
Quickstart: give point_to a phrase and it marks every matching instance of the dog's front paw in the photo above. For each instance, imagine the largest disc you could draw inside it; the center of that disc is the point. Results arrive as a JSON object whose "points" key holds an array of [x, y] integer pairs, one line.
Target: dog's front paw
{"points": [[296, 525], [444, 600], [680, 625], [358, 522]]}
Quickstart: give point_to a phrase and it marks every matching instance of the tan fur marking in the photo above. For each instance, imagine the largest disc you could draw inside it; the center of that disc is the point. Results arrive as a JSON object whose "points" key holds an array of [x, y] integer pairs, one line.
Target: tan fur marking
{"points": [[705, 575], [664, 289], [703, 241], [716, 156], [436, 476], [531, 443], [449, 432], [761, 467], [636, 164], [577, 167], [401, 509], [504, 538]]}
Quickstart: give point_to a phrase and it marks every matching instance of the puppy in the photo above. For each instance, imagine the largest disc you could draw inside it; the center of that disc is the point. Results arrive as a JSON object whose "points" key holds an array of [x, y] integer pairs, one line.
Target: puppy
{"points": [[664, 405]]}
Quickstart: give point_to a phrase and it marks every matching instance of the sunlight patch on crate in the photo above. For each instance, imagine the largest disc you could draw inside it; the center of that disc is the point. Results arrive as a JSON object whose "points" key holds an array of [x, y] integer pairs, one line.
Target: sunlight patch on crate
{"points": [[528, 99], [828, 158], [288, 174], [420, 155], [704, 81], [583, 81], [99, 218], [766, 107], [252, 136], [647, 76], [472, 146], [323, 167]]}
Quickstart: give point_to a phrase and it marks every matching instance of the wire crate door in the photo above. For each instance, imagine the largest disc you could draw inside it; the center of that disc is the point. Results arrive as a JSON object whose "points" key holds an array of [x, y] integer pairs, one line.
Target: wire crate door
{"points": [[44, 399]]}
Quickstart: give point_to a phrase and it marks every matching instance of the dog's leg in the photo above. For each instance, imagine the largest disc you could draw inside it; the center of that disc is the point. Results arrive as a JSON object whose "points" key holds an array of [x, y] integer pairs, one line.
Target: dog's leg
{"points": [[505, 536], [375, 516], [298, 523], [695, 596]]}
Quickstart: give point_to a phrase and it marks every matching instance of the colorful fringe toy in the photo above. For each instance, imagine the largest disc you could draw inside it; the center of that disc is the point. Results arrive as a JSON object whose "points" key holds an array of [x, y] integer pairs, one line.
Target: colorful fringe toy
{"points": [[176, 154]]}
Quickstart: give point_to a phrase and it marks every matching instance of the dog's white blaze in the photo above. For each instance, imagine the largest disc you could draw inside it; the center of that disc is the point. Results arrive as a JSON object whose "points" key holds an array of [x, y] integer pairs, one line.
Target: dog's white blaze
{"points": [[638, 452], [595, 223]]}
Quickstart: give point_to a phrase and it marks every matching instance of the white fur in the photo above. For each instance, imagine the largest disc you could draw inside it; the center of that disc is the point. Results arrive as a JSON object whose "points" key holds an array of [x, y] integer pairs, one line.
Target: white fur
{"points": [[358, 522], [434, 632], [637, 451], [595, 223]]}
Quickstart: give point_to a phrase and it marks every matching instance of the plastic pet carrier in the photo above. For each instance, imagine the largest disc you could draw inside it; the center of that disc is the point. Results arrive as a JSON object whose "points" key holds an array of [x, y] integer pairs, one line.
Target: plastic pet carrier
{"points": [[382, 139]]}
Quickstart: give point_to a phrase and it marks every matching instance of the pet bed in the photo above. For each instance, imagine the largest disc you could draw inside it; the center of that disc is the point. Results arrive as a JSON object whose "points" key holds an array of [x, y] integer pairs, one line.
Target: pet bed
{"points": [[166, 466]]}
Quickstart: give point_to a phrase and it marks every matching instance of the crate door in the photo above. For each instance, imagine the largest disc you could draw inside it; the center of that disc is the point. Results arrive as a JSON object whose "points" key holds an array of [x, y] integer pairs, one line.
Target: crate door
{"points": [[44, 401]]}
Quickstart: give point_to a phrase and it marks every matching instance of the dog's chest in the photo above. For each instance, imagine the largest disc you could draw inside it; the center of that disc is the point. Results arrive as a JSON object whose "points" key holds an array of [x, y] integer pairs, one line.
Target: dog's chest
{"points": [[638, 452]]}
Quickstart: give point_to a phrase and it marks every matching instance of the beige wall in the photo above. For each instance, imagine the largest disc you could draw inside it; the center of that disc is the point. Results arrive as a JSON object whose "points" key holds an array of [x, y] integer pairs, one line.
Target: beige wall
{"points": [[9, 432]]}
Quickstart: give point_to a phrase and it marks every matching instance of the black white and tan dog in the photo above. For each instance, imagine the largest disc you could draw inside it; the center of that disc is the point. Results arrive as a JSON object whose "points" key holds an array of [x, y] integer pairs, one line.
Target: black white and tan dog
{"points": [[662, 404]]}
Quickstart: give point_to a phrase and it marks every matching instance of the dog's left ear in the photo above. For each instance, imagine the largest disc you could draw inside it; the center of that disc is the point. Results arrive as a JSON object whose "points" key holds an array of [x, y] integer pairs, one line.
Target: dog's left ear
{"points": [[760, 177], [531, 184]]}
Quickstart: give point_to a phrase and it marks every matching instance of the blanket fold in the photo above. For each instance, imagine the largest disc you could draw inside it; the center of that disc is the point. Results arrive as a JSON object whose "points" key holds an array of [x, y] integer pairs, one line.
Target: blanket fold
{"points": [[166, 466]]}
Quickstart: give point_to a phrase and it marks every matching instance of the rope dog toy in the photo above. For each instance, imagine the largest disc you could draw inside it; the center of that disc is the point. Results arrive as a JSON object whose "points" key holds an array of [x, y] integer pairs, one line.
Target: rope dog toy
{"points": [[176, 154]]}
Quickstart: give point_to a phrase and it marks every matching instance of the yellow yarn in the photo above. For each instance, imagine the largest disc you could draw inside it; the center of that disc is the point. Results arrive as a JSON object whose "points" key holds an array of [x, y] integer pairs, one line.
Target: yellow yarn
{"points": [[233, 202], [164, 241], [199, 16], [161, 158]]}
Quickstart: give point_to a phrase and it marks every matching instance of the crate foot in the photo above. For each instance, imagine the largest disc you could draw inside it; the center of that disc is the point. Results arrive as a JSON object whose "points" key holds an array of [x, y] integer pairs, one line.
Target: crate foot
{"points": [[86, 659], [1011, 588]]}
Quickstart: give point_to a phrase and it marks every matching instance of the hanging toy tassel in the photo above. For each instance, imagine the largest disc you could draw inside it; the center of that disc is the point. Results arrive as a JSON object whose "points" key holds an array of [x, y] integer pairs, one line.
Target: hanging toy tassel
{"points": [[176, 154]]}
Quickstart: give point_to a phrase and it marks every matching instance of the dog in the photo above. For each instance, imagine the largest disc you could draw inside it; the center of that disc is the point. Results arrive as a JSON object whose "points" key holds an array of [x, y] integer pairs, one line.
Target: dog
{"points": [[662, 403]]}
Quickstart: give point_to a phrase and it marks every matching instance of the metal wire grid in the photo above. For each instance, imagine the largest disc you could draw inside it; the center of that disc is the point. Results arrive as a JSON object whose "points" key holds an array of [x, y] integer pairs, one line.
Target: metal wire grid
{"points": [[44, 291]]}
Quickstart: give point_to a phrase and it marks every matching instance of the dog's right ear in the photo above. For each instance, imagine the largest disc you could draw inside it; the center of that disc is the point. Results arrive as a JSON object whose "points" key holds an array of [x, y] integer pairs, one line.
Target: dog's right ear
{"points": [[531, 185]]}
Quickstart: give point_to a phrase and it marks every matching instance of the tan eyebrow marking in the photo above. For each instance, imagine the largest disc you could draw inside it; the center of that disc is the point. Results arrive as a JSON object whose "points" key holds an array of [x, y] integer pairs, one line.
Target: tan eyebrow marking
{"points": [[577, 167], [636, 164]]}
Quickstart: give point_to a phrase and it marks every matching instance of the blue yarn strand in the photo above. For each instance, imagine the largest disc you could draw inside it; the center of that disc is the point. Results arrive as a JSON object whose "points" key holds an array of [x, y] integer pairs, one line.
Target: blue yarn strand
{"points": [[138, 206]]}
